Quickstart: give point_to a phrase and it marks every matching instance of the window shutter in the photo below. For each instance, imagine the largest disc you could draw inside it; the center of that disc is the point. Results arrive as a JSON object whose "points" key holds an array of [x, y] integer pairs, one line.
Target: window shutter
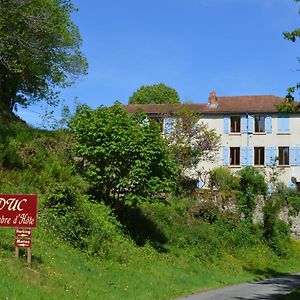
{"points": [[297, 154], [271, 153], [226, 124], [293, 156], [250, 124], [225, 156], [244, 124], [250, 154], [200, 183], [243, 156], [168, 125], [268, 124], [283, 124]]}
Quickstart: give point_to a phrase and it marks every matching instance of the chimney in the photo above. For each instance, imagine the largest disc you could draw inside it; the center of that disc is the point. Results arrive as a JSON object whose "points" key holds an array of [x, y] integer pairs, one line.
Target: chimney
{"points": [[213, 99]]}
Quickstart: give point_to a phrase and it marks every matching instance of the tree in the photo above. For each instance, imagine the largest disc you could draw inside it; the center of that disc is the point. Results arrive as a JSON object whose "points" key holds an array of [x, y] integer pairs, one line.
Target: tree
{"points": [[125, 156], [288, 105], [156, 93], [191, 141], [39, 51]]}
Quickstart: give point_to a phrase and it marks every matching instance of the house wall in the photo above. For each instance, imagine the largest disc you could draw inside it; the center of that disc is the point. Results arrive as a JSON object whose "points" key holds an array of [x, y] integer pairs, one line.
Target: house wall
{"points": [[250, 139]]}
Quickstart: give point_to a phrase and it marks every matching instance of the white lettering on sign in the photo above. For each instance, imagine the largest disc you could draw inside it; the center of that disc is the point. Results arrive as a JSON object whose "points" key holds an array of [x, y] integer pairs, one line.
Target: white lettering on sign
{"points": [[12, 204], [4, 220]]}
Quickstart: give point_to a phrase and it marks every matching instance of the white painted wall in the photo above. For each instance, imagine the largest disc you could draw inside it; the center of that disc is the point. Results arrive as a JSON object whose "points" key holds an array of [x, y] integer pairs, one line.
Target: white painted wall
{"points": [[275, 139]]}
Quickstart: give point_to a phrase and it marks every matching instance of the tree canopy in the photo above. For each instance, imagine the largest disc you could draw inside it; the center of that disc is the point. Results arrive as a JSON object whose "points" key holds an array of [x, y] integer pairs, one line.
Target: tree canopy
{"points": [[125, 156], [156, 93], [39, 51]]}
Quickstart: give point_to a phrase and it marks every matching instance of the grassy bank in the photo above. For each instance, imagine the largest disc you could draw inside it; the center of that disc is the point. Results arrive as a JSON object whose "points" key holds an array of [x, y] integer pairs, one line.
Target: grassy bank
{"points": [[85, 250]]}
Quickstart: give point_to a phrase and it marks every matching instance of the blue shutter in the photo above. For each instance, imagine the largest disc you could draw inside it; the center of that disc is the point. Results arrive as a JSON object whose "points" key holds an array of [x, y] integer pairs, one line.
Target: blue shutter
{"points": [[243, 156], [283, 124], [226, 124], [225, 156], [244, 124], [250, 124], [293, 156], [271, 154], [250, 154], [270, 189], [297, 153], [268, 124], [200, 183], [168, 125]]}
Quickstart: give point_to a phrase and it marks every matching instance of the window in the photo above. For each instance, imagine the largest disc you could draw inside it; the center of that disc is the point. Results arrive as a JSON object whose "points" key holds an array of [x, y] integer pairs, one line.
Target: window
{"points": [[235, 124], [283, 153], [259, 156], [259, 124], [234, 156]]}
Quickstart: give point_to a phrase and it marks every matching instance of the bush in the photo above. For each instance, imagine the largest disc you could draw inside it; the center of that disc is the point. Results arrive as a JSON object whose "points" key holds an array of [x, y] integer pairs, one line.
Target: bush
{"points": [[252, 183], [83, 224], [222, 179], [276, 232]]}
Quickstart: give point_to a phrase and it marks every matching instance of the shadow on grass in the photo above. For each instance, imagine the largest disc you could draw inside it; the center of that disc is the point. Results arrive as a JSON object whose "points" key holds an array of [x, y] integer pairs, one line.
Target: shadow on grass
{"points": [[141, 228], [265, 273]]}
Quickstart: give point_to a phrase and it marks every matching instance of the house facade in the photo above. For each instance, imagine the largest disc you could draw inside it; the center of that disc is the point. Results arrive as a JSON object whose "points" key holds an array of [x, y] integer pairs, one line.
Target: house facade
{"points": [[252, 132]]}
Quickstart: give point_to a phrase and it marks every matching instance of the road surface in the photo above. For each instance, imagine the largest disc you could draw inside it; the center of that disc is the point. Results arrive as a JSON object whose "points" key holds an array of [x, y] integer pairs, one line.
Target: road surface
{"points": [[268, 289]]}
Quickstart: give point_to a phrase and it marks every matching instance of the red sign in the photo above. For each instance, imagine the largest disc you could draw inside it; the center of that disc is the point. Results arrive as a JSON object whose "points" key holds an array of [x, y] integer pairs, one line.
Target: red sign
{"points": [[18, 210], [24, 232], [22, 243]]}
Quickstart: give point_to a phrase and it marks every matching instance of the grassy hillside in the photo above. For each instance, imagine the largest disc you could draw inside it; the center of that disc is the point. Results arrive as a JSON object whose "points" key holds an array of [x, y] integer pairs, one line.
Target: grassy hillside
{"points": [[82, 250]]}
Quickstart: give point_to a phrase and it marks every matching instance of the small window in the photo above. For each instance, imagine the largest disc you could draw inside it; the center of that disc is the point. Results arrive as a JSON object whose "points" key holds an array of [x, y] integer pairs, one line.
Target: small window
{"points": [[235, 124], [259, 156], [283, 153], [234, 156], [260, 124]]}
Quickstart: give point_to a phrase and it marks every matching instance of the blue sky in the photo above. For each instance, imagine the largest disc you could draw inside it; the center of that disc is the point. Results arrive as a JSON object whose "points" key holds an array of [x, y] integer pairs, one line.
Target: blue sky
{"points": [[234, 47]]}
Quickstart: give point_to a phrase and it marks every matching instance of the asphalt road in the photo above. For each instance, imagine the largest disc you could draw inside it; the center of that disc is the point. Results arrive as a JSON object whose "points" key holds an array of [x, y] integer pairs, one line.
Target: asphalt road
{"points": [[268, 289]]}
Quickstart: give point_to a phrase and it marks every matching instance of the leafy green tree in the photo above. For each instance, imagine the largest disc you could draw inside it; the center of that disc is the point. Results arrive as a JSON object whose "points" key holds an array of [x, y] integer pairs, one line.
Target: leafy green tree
{"points": [[39, 51], [156, 93], [125, 156]]}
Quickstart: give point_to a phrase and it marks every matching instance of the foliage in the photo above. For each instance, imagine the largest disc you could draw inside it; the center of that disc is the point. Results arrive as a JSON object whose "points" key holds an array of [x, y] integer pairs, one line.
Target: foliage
{"points": [[276, 232], [78, 221], [288, 105], [156, 94], [252, 183], [124, 157], [191, 141], [222, 179], [39, 51]]}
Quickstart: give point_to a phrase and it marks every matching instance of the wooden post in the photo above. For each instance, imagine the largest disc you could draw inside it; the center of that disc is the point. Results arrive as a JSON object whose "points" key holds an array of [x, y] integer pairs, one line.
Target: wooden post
{"points": [[29, 254], [17, 252]]}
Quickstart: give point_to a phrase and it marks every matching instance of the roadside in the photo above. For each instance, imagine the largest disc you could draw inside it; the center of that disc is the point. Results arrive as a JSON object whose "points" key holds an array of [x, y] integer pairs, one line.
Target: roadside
{"points": [[270, 289]]}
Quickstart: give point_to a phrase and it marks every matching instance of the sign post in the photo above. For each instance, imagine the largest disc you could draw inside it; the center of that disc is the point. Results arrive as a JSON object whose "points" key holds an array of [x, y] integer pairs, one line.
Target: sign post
{"points": [[19, 211]]}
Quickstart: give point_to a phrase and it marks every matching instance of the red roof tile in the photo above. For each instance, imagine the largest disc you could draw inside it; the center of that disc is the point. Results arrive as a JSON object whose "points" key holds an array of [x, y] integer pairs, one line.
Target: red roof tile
{"points": [[228, 104]]}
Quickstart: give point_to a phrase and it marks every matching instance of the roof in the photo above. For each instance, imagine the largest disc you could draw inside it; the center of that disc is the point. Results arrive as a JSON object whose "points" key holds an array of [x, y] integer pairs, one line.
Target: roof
{"points": [[228, 104]]}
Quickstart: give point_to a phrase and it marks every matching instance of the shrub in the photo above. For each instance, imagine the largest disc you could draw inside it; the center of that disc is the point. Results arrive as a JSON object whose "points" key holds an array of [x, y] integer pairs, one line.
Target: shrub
{"points": [[252, 183], [222, 179]]}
